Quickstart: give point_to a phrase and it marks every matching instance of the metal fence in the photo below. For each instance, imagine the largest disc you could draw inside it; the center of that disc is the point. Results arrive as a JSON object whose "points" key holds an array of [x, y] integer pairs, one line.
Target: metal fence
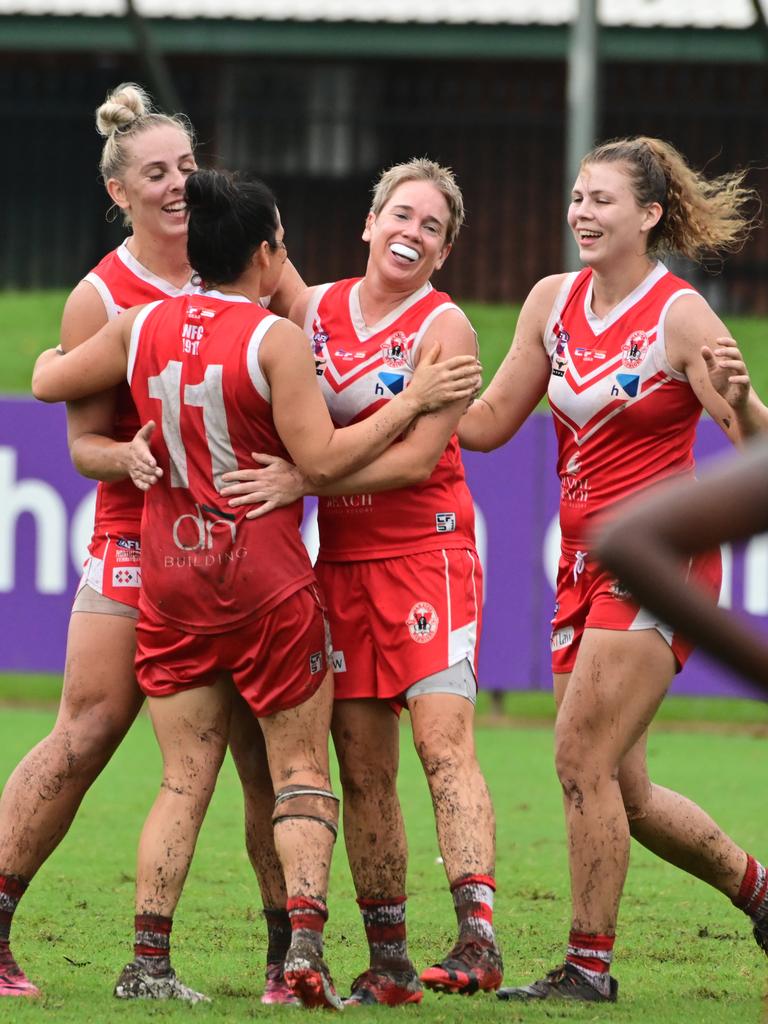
{"points": [[320, 130]]}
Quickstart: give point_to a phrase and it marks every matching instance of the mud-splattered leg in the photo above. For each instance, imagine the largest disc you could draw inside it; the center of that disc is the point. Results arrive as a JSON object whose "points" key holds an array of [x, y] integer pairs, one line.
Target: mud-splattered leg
{"points": [[676, 829], [366, 735], [305, 821], [466, 827], [613, 692], [191, 729], [99, 702]]}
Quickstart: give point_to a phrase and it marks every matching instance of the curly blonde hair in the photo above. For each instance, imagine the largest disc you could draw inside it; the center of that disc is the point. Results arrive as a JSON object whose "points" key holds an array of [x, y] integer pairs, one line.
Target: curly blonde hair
{"points": [[700, 215]]}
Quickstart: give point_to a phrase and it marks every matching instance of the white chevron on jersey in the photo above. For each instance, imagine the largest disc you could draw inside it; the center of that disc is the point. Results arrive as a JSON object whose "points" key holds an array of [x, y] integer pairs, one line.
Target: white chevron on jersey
{"points": [[586, 401], [349, 382]]}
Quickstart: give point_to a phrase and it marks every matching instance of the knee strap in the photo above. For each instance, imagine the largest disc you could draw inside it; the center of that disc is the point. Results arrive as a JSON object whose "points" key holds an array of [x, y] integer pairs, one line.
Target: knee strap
{"points": [[308, 803]]}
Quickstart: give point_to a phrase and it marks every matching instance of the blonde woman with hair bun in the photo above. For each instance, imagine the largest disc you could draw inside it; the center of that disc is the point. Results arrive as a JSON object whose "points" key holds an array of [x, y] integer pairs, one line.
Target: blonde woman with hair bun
{"points": [[146, 159], [629, 356]]}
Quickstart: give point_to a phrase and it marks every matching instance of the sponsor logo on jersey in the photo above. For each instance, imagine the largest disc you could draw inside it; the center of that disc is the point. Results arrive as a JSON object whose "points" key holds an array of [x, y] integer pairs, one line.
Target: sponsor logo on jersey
{"points": [[573, 490], [589, 354], [561, 638], [445, 522], [558, 366], [198, 313], [341, 353], [316, 663], [129, 543], [629, 383], [338, 661], [196, 531], [127, 576], [563, 337], [574, 465], [394, 350], [319, 341], [394, 382], [422, 622], [349, 502], [634, 349]]}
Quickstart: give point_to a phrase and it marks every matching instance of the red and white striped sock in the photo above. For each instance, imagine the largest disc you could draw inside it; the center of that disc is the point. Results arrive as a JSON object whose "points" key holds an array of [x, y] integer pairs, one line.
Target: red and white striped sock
{"points": [[591, 955], [12, 888], [308, 917], [152, 942], [384, 923], [752, 897], [473, 902]]}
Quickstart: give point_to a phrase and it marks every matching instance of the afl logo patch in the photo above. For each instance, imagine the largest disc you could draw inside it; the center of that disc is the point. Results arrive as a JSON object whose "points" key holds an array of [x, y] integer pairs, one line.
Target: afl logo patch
{"points": [[394, 350], [634, 349], [422, 622]]}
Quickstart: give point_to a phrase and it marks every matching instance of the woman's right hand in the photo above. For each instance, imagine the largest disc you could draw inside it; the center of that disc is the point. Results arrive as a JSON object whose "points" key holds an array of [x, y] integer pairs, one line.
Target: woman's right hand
{"points": [[437, 384], [272, 485], [141, 463]]}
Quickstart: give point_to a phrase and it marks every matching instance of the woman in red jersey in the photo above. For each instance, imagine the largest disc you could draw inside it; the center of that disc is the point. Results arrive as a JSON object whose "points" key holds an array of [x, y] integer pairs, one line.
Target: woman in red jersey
{"points": [[618, 348], [650, 542], [145, 162], [224, 595], [403, 582]]}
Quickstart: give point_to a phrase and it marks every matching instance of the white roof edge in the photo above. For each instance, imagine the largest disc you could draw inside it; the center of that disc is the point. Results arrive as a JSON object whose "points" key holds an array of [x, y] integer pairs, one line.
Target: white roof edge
{"points": [[736, 14]]}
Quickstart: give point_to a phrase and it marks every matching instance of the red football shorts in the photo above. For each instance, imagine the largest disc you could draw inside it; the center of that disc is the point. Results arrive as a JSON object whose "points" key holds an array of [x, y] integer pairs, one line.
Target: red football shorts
{"points": [[589, 597], [395, 621], [113, 568], [277, 661]]}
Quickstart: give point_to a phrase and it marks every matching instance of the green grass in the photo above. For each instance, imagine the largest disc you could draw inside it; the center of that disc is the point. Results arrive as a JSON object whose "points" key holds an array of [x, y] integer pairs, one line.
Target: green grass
{"points": [[684, 954], [31, 322]]}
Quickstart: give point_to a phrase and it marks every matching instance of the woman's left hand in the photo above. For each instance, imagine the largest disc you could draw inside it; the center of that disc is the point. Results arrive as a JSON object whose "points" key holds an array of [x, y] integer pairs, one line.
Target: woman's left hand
{"points": [[273, 484], [728, 372], [437, 384]]}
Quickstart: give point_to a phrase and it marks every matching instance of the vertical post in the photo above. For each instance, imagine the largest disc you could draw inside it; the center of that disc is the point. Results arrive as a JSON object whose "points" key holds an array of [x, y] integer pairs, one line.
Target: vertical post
{"points": [[155, 64], [581, 106]]}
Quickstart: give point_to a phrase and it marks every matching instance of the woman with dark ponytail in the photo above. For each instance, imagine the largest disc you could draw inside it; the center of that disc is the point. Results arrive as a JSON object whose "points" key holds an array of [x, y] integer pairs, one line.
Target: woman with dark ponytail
{"points": [[226, 597], [629, 355]]}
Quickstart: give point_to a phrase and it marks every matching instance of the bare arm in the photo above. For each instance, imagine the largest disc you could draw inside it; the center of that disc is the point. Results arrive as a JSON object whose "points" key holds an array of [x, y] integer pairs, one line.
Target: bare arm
{"points": [[90, 421], [406, 462], [648, 542], [729, 375], [521, 380], [322, 452], [693, 332], [98, 363]]}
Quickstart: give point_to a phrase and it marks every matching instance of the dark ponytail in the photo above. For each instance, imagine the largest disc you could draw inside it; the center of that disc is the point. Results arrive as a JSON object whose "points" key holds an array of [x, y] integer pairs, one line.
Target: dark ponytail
{"points": [[228, 221]]}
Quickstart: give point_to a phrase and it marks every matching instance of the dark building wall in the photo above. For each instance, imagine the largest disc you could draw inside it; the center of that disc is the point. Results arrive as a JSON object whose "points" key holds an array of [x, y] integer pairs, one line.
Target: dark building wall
{"points": [[319, 131]]}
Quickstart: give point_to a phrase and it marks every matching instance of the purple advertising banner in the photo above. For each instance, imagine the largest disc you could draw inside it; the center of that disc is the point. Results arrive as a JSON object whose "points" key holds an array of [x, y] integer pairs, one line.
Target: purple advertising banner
{"points": [[46, 512]]}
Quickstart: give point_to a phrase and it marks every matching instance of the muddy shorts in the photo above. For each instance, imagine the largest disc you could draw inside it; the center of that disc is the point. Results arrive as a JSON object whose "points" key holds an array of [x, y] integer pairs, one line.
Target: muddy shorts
{"points": [[277, 661], [587, 597]]}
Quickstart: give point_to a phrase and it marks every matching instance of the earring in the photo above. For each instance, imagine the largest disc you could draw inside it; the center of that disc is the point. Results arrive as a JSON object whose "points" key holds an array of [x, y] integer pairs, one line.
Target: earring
{"points": [[112, 213]]}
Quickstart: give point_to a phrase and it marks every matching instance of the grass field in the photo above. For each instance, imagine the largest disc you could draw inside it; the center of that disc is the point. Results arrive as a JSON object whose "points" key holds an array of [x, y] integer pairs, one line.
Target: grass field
{"points": [[31, 322], [683, 954]]}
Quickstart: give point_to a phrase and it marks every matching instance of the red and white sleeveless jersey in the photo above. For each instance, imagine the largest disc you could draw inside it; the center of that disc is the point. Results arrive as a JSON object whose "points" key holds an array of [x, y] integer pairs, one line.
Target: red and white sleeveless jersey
{"points": [[122, 282], [623, 416], [360, 368], [194, 369]]}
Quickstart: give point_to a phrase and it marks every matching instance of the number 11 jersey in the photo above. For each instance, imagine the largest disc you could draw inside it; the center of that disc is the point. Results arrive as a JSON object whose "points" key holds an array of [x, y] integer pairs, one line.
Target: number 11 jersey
{"points": [[194, 369]]}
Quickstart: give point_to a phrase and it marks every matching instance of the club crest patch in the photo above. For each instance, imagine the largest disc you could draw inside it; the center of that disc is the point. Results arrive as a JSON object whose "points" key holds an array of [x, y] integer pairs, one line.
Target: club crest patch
{"points": [[394, 350], [422, 622], [634, 349]]}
